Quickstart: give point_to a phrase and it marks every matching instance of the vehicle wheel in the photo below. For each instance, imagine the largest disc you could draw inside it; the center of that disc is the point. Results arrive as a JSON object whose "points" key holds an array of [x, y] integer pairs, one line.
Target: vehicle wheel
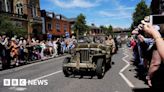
{"points": [[100, 69], [66, 72], [108, 65]]}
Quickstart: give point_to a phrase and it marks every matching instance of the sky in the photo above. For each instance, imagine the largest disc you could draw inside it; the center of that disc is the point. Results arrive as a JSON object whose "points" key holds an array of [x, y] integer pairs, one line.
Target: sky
{"points": [[117, 13]]}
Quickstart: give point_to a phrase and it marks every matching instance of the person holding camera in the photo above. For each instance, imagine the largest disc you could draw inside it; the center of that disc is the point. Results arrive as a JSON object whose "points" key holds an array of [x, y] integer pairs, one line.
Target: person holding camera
{"points": [[150, 30], [155, 73]]}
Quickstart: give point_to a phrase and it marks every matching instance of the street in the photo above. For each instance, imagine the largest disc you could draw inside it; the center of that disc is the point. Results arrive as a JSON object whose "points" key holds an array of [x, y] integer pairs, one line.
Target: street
{"points": [[81, 45], [57, 82]]}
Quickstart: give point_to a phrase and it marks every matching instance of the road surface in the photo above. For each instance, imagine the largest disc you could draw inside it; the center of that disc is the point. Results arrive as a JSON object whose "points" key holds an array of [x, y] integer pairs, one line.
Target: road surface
{"points": [[51, 70]]}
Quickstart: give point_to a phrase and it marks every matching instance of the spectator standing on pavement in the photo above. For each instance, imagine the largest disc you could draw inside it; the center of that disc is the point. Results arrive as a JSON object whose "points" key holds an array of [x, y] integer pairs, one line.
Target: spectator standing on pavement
{"points": [[43, 47], [63, 46], [149, 29], [55, 46], [3, 51], [14, 51], [21, 49], [50, 47], [58, 46], [155, 75], [134, 47]]}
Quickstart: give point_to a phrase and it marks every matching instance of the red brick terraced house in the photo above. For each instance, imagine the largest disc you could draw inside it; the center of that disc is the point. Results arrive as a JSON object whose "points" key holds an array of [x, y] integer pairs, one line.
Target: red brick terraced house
{"points": [[56, 24], [24, 13]]}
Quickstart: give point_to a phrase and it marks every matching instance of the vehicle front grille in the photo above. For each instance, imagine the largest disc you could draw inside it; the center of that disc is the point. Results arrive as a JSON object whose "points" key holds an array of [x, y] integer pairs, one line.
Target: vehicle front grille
{"points": [[84, 56]]}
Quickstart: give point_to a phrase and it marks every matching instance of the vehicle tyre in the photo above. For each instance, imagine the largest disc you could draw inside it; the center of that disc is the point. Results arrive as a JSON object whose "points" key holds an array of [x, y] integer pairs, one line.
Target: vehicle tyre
{"points": [[100, 69], [108, 65], [66, 72]]}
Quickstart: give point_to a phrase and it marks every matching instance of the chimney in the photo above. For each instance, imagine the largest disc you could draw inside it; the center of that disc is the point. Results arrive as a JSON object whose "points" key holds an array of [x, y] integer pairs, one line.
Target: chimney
{"points": [[53, 15], [60, 17]]}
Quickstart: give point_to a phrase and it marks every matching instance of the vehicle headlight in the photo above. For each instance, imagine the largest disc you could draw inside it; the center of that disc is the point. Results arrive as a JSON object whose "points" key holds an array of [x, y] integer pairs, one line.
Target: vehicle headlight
{"points": [[92, 52]]}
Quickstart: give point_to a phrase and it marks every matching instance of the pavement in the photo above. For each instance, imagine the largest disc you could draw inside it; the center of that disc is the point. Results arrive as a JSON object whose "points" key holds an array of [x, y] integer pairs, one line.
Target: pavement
{"points": [[132, 74], [51, 70]]}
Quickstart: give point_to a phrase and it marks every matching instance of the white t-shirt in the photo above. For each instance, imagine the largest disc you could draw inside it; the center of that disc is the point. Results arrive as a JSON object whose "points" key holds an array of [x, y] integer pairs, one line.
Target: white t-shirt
{"points": [[54, 44]]}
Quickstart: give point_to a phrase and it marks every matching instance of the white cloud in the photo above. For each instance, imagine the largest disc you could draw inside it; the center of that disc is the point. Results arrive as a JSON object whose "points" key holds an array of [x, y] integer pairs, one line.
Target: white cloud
{"points": [[76, 3], [126, 8], [115, 15], [120, 12], [107, 14]]}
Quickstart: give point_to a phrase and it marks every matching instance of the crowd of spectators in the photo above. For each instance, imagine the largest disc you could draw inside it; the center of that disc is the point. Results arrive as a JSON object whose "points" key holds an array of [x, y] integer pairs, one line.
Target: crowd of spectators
{"points": [[18, 50], [148, 51]]}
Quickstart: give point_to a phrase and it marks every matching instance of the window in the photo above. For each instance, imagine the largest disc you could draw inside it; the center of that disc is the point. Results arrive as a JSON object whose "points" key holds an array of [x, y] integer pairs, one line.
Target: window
{"points": [[58, 27], [19, 8], [49, 26], [34, 11], [9, 5], [65, 27]]}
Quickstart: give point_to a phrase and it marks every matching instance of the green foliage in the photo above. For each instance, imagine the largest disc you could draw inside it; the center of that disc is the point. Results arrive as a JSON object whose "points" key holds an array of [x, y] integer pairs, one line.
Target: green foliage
{"points": [[104, 28], [87, 29], [7, 27], [20, 32], [110, 30], [80, 26], [107, 30], [141, 11]]}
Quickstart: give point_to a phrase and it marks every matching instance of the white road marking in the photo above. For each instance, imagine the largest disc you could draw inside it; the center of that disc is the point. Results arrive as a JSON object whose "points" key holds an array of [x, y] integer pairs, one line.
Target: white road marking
{"points": [[18, 88], [23, 88], [48, 75], [39, 78], [123, 69]]}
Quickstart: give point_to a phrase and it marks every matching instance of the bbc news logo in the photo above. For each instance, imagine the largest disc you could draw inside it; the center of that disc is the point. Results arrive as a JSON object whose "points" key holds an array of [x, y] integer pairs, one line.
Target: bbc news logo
{"points": [[24, 82]]}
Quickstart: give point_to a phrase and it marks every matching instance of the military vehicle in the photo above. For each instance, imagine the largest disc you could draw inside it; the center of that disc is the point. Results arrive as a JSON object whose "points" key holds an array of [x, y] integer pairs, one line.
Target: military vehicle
{"points": [[88, 55]]}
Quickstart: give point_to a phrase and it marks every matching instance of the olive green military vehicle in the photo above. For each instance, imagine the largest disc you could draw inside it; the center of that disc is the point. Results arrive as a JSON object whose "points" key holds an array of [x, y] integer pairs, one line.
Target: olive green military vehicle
{"points": [[88, 55]]}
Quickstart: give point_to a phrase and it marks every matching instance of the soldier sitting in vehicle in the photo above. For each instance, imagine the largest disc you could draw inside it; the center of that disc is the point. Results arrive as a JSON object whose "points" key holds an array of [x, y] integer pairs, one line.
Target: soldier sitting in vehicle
{"points": [[110, 41]]}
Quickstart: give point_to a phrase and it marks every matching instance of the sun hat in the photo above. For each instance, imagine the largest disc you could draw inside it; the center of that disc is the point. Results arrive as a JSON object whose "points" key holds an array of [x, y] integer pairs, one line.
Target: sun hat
{"points": [[13, 39]]}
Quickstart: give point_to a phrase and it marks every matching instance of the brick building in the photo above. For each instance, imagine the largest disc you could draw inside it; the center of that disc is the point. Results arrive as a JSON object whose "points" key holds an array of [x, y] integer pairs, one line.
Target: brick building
{"points": [[24, 13], [27, 14], [56, 24], [96, 30]]}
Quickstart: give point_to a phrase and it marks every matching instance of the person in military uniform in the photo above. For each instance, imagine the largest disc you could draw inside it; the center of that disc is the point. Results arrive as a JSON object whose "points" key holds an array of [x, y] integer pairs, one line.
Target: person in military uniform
{"points": [[110, 41]]}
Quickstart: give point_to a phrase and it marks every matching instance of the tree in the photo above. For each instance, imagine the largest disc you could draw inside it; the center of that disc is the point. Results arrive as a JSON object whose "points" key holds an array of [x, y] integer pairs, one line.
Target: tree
{"points": [[80, 26], [104, 28], [7, 27], [110, 30], [107, 30], [141, 11]]}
